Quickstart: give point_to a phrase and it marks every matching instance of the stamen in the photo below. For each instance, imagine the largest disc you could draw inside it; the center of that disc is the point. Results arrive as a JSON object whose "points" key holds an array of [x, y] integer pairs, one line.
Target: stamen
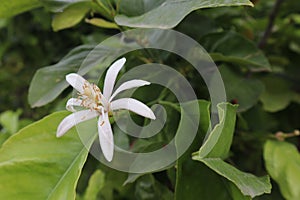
{"points": [[91, 96], [102, 123]]}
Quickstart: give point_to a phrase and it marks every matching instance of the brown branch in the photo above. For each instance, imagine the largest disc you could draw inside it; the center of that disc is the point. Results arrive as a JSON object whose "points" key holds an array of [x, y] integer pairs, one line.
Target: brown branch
{"points": [[269, 28]]}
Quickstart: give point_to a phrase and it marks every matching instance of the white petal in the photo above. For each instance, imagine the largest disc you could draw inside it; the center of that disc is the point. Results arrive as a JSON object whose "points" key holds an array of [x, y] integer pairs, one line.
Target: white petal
{"points": [[106, 137], [73, 102], [134, 106], [111, 76], [129, 85], [76, 81], [71, 120]]}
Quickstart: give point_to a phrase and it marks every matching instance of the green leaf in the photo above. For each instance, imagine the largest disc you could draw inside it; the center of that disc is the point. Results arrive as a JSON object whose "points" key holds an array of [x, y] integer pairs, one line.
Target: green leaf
{"points": [[196, 181], [3, 138], [49, 82], [60, 5], [113, 187], [258, 120], [226, 47], [34, 164], [249, 184], [219, 140], [277, 95], [10, 8], [173, 110], [245, 91], [71, 16], [283, 164], [10, 121], [121, 139], [126, 7], [140, 6], [170, 12], [132, 177], [3, 23], [203, 126], [217, 146], [102, 23], [96, 183], [235, 193]]}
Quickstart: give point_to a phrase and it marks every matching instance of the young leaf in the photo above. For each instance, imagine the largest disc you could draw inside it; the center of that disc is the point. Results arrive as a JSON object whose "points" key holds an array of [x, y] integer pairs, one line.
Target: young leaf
{"points": [[217, 146], [170, 12], [283, 164], [102, 23], [35, 164], [194, 180], [218, 143], [71, 16]]}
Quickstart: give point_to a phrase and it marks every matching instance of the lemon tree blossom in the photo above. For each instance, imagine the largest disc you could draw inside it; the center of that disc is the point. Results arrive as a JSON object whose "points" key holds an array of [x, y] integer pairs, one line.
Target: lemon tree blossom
{"points": [[102, 105]]}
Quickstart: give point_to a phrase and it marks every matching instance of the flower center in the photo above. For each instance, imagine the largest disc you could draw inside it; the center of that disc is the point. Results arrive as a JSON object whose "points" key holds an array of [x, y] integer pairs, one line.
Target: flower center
{"points": [[92, 98]]}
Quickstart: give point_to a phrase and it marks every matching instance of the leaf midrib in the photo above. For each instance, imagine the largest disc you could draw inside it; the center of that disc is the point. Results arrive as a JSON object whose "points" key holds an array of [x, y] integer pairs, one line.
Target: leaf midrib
{"points": [[64, 174], [68, 170]]}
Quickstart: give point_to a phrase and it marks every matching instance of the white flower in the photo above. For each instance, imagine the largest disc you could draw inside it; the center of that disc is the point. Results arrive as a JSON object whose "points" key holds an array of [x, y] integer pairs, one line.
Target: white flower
{"points": [[101, 105]]}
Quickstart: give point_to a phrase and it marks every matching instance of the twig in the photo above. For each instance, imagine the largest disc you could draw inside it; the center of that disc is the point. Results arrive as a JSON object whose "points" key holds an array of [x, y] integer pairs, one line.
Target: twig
{"points": [[281, 136], [269, 28]]}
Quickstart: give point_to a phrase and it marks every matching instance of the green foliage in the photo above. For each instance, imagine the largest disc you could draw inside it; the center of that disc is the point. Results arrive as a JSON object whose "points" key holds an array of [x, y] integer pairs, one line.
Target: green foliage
{"points": [[10, 8], [96, 183], [49, 82], [195, 180], [218, 143], [39, 165], [277, 94], [60, 5], [70, 17], [148, 188], [249, 184], [225, 46], [10, 121], [113, 187], [216, 147], [224, 161], [197, 177], [244, 90], [170, 12], [283, 164], [102, 23]]}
